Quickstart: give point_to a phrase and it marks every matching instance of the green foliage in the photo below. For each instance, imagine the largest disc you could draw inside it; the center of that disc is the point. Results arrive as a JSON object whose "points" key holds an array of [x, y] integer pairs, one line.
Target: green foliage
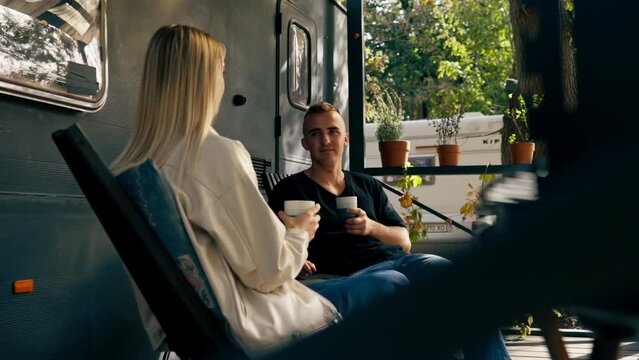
{"points": [[567, 15], [524, 324], [386, 111], [449, 113], [413, 214], [424, 47], [387, 130], [517, 112], [473, 196]]}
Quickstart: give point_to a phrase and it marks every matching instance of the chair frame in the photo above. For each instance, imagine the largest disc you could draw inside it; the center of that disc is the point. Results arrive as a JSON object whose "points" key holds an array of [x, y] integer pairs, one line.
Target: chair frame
{"points": [[192, 331]]}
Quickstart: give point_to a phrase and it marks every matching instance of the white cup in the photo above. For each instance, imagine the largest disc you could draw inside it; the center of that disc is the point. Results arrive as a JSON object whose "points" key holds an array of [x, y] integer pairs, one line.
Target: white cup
{"points": [[346, 202], [297, 207]]}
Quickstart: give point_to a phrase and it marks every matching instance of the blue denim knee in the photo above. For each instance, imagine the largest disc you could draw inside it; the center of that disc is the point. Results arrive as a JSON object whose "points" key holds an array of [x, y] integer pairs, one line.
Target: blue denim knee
{"points": [[421, 268], [355, 293]]}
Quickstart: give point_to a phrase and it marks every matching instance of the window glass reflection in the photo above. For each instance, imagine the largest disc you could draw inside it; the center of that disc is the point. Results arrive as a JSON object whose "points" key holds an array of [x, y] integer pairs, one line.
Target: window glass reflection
{"points": [[299, 66]]}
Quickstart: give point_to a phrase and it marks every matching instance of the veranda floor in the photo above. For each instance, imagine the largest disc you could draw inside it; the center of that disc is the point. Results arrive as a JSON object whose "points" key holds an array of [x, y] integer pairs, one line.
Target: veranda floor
{"points": [[534, 348]]}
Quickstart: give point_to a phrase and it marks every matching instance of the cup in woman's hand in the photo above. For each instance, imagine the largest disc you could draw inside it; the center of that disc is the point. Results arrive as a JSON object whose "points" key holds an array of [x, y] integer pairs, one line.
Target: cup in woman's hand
{"points": [[343, 203], [297, 207]]}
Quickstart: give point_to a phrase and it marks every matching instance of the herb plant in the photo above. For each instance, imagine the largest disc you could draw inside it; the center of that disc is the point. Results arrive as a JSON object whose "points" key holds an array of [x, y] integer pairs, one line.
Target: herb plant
{"points": [[447, 126], [385, 110]]}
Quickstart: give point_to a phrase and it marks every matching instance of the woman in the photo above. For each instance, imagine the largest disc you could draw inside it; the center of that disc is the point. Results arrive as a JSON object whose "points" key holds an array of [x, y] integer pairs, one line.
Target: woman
{"points": [[250, 257]]}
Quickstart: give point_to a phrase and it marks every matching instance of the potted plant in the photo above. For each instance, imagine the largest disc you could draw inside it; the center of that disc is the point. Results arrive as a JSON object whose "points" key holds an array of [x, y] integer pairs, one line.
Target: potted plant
{"points": [[521, 145], [450, 113], [385, 109]]}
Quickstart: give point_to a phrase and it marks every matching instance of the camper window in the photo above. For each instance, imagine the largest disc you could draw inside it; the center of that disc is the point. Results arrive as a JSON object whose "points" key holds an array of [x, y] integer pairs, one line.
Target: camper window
{"points": [[54, 52], [299, 66]]}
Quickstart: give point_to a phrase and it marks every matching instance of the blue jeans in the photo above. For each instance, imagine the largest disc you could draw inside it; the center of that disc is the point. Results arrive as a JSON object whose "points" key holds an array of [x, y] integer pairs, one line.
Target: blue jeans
{"points": [[350, 294], [420, 269]]}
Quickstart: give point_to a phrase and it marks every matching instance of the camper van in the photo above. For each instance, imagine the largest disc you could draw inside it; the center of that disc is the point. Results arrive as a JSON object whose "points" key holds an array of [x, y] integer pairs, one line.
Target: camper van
{"points": [[480, 139], [78, 302], [80, 62], [64, 290]]}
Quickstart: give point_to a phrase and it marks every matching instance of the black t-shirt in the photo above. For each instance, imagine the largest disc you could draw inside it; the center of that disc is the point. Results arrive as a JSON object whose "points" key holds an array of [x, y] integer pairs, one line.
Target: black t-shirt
{"points": [[333, 250]]}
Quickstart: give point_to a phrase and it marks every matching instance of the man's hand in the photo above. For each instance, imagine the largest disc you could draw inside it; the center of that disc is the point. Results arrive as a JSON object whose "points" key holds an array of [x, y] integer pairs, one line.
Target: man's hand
{"points": [[361, 224], [308, 268]]}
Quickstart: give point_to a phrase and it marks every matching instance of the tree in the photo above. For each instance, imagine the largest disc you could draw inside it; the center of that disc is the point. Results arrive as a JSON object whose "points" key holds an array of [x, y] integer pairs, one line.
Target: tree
{"points": [[398, 50], [525, 24], [426, 49]]}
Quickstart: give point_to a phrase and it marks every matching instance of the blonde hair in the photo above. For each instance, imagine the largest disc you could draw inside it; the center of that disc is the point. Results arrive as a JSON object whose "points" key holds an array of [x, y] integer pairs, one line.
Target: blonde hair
{"points": [[321, 107], [180, 94]]}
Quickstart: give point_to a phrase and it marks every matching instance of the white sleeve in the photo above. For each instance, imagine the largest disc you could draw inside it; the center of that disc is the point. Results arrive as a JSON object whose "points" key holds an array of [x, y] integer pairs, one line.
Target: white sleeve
{"points": [[254, 242]]}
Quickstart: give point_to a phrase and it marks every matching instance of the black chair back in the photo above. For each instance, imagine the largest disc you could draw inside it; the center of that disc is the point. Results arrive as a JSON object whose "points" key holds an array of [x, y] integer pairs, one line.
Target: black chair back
{"points": [[270, 179], [191, 329]]}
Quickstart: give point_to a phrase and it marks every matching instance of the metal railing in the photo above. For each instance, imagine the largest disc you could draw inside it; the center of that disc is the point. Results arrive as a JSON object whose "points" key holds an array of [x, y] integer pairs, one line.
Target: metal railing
{"points": [[444, 170]]}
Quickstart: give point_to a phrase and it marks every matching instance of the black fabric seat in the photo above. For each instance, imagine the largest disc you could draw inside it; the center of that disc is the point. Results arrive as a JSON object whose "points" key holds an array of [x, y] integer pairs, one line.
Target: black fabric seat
{"points": [[192, 330]]}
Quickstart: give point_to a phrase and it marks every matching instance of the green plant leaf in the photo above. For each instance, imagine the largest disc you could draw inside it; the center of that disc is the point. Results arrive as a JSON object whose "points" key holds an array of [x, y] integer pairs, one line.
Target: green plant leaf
{"points": [[487, 178], [416, 180]]}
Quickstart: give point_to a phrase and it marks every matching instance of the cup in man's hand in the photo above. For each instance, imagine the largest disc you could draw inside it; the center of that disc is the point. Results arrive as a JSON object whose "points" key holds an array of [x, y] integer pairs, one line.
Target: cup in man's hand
{"points": [[343, 203], [297, 207]]}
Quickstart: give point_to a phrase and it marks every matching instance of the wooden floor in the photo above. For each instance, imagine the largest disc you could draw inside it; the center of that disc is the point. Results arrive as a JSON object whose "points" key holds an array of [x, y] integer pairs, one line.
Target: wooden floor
{"points": [[534, 348]]}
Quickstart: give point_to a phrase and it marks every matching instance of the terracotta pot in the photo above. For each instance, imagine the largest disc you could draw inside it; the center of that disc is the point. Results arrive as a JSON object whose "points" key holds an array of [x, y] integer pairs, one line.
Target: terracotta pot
{"points": [[394, 153], [448, 154], [522, 153]]}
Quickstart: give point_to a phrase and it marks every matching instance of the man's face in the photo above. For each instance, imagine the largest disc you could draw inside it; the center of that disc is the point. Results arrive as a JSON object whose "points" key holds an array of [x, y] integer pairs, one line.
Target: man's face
{"points": [[325, 137]]}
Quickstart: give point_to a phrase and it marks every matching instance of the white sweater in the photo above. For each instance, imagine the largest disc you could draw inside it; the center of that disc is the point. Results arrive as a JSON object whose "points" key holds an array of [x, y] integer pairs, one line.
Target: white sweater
{"points": [[249, 257]]}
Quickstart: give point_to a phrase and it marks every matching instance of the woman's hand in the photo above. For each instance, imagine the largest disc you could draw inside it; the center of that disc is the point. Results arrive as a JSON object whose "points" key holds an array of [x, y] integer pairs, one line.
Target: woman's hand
{"points": [[307, 221], [308, 269]]}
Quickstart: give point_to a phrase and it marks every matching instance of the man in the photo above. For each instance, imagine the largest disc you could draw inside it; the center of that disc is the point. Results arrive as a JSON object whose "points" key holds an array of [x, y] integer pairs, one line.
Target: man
{"points": [[374, 238]]}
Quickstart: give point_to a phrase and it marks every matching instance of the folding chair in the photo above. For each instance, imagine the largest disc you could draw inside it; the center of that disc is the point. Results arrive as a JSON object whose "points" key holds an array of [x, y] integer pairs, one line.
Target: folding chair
{"points": [[260, 166], [192, 330], [270, 179]]}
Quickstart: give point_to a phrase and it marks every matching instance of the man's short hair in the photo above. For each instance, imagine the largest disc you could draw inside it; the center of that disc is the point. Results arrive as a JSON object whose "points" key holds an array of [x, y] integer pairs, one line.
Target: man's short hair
{"points": [[320, 108]]}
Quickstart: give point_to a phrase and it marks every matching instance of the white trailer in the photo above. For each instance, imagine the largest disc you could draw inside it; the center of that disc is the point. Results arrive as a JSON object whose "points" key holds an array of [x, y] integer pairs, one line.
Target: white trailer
{"points": [[480, 139]]}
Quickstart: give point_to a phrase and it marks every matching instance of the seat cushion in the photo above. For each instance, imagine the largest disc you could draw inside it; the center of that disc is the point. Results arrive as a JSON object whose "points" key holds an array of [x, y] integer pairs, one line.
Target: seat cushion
{"points": [[153, 197]]}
